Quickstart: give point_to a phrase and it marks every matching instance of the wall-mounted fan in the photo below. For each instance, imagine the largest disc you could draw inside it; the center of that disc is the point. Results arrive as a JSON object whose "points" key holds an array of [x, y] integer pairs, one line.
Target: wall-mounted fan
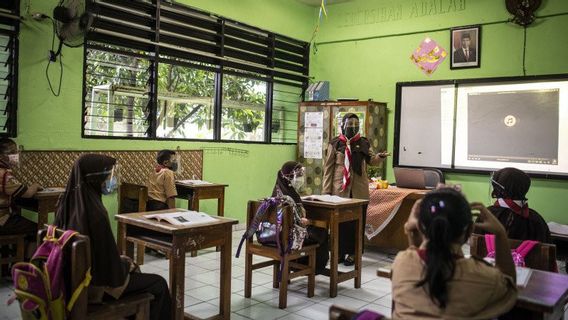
{"points": [[523, 10], [71, 21]]}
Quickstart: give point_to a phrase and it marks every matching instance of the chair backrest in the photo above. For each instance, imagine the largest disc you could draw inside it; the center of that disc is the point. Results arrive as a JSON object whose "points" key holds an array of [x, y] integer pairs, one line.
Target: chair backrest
{"points": [[541, 257], [271, 216], [132, 198], [77, 260], [432, 177]]}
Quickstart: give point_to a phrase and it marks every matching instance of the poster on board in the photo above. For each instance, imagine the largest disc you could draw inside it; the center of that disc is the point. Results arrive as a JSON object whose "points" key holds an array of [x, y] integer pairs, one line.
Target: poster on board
{"points": [[313, 135]]}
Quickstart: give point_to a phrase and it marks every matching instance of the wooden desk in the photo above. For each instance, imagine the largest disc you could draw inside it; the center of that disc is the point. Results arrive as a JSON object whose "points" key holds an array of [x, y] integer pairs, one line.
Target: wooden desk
{"points": [[545, 295], [330, 215], [43, 203], [194, 193], [392, 237], [179, 240]]}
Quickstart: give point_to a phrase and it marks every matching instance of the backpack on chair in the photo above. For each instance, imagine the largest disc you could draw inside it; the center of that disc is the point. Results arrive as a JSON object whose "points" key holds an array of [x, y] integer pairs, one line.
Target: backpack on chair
{"points": [[39, 284], [518, 253]]}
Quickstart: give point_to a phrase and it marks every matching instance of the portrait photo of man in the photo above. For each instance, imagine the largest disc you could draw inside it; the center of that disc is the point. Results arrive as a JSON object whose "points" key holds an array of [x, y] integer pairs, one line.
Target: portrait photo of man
{"points": [[465, 47]]}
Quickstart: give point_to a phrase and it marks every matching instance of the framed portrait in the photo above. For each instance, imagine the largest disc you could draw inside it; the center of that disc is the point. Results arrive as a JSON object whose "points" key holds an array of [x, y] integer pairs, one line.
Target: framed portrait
{"points": [[466, 47]]}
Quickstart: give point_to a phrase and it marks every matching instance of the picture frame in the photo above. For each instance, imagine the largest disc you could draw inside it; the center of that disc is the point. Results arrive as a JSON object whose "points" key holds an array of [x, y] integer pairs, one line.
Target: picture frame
{"points": [[466, 47]]}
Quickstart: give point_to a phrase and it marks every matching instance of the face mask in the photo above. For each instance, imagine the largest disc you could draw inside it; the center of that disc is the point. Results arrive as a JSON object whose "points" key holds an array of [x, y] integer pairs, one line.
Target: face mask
{"points": [[174, 166], [297, 182], [110, 185], [14, 159], [350, 132]]}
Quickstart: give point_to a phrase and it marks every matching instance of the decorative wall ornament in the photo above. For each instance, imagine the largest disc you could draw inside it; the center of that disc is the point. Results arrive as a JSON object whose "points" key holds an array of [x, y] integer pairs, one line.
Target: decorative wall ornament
{"points": [[428, 56]]}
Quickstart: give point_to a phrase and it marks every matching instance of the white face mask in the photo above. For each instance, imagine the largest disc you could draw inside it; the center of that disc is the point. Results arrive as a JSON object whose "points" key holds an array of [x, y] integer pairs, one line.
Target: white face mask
{"points": [[297, 182], [14, 159]]}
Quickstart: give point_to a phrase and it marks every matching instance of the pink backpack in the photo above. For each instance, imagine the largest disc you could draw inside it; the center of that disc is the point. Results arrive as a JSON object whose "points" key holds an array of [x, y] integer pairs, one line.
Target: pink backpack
{"points": [[518, 254], [39, 284]]}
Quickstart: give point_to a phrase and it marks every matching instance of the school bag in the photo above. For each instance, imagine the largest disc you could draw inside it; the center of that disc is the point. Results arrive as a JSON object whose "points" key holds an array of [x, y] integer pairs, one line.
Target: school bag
{"points": [[39, 284], [518, 254], [269, 234]]}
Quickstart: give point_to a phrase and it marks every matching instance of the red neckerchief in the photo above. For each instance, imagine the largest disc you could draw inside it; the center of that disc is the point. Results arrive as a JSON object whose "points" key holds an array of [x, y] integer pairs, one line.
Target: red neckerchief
{"points": [[347, 162], [517, 206]]}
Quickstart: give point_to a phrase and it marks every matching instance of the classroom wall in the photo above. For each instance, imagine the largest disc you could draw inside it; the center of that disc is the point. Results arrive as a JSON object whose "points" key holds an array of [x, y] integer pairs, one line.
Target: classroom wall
{"points": [[363, 48], [46, 122]]}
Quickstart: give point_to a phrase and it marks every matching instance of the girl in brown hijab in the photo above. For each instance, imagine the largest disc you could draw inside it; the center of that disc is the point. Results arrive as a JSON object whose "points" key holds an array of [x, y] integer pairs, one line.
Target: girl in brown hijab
{"points": [[81, 209], [510, 187], [288, 181]]}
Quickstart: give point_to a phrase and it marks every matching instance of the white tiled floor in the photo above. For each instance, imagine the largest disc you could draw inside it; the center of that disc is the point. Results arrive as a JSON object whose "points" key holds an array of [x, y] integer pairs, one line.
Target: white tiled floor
{"points": [[202, 289]]}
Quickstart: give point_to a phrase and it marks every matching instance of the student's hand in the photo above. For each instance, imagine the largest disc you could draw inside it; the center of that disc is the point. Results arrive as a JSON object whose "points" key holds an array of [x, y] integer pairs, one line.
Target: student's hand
{"points": [[36, 187], [487, 221], [415, 237], [456, 187], [411, 225], [383, 154], [304, 221]]}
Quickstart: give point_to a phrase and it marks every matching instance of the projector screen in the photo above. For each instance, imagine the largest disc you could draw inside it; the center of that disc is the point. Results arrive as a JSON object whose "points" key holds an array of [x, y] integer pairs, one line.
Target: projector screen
{"points": [[484, 125]]}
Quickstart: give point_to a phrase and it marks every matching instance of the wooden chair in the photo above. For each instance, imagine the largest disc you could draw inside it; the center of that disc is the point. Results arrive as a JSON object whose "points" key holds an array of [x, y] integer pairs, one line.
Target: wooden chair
{"points": [[77, 260], [9, 243], [541, 257], [133, 198], [290, 268]]}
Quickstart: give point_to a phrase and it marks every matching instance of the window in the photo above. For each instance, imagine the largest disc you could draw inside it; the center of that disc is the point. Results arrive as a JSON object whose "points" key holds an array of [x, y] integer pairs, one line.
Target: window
{"points": [[244, 104], [9, 27], [187, 74]]}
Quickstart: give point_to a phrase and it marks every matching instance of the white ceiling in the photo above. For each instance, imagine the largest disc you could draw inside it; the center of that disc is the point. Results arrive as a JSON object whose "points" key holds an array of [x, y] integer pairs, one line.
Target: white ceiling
{"points": [[316, 3]]}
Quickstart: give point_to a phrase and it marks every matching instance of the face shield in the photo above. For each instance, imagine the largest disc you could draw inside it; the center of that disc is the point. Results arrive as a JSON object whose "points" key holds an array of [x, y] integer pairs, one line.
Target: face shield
{"points": [[112, 181], [297, 178]]}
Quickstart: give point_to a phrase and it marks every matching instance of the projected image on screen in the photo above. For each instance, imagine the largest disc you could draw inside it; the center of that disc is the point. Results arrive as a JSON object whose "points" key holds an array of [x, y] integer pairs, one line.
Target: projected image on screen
{"points": [[516, 126]]}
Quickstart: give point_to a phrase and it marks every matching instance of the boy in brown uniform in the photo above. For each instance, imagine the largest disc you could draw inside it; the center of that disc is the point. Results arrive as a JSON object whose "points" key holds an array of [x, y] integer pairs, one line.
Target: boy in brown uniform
{"points": [[161, 182], [10, 190]]}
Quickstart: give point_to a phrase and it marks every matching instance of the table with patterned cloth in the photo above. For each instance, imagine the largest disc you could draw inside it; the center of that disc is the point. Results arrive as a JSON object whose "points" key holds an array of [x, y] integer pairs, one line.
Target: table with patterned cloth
{"points": [[383, 207]]}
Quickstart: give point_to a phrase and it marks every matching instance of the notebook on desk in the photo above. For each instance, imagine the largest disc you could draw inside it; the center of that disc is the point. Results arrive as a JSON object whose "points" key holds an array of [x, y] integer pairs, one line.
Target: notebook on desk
{"points": [[409, 178], [194, 182]]}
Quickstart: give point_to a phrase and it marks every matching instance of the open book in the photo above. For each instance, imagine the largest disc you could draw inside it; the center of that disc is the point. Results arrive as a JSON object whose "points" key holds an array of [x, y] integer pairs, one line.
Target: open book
{"points": [[52, 190], [523, 276], [326, 198], [558, 228], [182, 217], [194, 182]]}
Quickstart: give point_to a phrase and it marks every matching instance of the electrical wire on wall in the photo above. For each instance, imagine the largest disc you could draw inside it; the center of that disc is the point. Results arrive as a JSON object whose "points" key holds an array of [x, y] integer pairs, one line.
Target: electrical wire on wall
{"points": [[53, 58]]}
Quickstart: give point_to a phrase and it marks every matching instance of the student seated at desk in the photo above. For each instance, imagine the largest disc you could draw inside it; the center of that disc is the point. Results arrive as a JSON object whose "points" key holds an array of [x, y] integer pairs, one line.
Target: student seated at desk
{"points": [[11, 190], [510, 187], [433, 280], [81, 209], [290, 179], [162, 183]]}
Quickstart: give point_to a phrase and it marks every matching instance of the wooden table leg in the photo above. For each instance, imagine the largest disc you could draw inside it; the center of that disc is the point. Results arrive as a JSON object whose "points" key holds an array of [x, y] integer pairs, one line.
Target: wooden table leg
{"points": [[42, 214], [221, 207], [334, 242], [193, 205], [225, 297], [358, 248], [177, 277]]}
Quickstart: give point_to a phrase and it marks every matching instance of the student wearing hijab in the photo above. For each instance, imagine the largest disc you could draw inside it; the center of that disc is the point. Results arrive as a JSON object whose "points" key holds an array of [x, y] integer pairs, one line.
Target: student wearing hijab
{"points": [[510, 187], [345, 175], [289, 180], [81, 209]]}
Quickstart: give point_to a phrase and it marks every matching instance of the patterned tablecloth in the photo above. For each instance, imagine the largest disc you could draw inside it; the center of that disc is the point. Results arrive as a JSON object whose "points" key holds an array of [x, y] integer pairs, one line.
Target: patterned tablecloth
{"points": [[383, 205]]}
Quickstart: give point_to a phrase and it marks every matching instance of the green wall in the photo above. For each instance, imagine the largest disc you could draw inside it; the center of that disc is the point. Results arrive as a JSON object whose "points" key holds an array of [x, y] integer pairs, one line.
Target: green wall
{"points": [[364, 48], [47, 122]]}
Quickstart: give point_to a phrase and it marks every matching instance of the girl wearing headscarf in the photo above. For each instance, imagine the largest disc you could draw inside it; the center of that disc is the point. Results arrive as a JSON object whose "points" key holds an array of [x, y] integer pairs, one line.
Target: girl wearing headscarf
{"points": [[345, 175], [290, 178], [81, 209], [510, 187]]}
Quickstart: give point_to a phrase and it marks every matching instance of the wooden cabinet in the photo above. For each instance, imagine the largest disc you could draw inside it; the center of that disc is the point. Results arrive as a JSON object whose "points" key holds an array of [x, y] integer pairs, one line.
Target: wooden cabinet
{"points": [[373, 119]]}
